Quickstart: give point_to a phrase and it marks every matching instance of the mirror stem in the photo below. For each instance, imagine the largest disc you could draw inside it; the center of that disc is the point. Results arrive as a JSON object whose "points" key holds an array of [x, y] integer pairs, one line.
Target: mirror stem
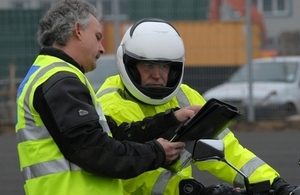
{"points": [[246, 180]]}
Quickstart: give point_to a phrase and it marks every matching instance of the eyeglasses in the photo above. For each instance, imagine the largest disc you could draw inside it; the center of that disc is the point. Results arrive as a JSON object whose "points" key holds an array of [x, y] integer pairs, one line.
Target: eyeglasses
{"points": [[151, 67]]}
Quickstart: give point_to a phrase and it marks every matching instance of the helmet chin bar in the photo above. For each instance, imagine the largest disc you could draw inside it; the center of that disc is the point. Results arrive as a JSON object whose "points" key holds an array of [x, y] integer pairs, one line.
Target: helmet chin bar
{"points": [[159, 95], [156, 92]]}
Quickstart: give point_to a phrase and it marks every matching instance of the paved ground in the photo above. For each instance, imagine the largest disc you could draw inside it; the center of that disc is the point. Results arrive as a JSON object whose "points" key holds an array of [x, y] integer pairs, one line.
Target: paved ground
{"points": [[11, 182], [279, 148]]}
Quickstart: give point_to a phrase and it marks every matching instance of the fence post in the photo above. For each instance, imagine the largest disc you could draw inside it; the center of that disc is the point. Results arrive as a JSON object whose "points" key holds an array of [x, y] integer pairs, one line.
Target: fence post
{"points": [[12, 93]]}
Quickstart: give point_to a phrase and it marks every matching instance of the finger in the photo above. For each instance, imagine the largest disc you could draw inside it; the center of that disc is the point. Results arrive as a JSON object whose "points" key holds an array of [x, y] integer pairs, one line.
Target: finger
{"points": [[195, 108], [178, 145]]}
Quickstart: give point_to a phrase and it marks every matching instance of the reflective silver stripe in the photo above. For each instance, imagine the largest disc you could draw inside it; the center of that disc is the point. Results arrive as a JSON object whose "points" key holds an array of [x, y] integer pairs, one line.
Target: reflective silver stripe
{"points": [[161, 182], [30, 122], [182, 99], [223, 134], [47, 168], [106, 91], [163, 179], [185, 159], [35, 133], [248, 169]]}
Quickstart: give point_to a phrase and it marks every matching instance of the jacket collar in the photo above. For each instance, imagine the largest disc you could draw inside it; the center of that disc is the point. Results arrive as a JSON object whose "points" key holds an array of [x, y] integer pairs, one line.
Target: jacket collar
{"points": [[60, 54]]}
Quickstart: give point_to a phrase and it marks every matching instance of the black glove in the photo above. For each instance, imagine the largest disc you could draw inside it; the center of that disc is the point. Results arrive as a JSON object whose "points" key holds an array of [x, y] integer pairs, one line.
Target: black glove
{"points": [[280, 187], [221, 189]]}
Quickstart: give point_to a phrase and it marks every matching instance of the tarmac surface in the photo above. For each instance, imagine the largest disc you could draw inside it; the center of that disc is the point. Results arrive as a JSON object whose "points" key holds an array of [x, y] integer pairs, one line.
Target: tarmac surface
{"points": [[279, 148]]}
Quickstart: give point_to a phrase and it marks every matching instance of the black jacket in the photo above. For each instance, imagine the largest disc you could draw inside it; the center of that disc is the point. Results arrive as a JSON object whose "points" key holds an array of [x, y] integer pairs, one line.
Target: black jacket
{"points": [[81, 138]]}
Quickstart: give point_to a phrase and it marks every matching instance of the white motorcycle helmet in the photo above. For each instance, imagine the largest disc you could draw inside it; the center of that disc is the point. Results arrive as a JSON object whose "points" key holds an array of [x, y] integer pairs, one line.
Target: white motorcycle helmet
{"points": [[152, 40]]}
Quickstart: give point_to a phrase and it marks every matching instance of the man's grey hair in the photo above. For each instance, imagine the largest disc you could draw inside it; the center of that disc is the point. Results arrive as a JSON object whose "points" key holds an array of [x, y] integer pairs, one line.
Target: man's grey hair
{"points": [[59, 21]]}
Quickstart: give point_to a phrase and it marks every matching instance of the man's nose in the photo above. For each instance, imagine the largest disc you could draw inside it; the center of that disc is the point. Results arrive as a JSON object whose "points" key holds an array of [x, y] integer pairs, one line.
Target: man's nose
{"points": [[156, 72], [101, 48]]}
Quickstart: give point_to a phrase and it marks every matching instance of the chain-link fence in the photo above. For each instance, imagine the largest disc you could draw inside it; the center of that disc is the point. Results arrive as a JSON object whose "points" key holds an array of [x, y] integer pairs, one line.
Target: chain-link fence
{"points": [[213, 32]]}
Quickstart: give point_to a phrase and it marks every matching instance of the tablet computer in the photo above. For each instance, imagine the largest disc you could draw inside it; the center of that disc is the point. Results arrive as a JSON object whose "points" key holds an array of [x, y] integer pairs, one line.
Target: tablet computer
{"points": [[212, 118]]}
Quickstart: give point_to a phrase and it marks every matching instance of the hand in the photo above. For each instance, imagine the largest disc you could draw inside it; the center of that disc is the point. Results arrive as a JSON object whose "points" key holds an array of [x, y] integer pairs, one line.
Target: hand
{"points": [[184, 160], [186, 113], [172, 149], [282, 188]]}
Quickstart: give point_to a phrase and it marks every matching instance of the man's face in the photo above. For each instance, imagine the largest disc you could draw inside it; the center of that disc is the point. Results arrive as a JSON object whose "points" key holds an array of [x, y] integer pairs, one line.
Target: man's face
{"points": [[154, 75], [91, 43]]}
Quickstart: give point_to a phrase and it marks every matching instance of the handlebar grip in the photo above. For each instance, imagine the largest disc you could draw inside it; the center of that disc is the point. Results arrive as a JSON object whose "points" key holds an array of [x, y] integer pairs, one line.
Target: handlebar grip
{"points": [[296, 191]]}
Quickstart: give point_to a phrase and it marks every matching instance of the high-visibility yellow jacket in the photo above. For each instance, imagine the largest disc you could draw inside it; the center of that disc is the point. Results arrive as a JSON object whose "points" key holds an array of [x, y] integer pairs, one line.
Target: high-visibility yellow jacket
{"points": [[117, 104], [44, 168]]}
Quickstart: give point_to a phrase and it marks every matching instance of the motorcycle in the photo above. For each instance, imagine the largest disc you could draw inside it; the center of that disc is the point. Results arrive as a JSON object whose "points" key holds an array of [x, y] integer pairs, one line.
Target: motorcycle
{"points": [[211, 149]]}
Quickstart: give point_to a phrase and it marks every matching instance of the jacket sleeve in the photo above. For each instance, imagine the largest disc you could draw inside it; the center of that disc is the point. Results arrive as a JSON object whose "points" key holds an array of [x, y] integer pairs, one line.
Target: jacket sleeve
{"points": [[160, 125], [251, 165], [80, 137], [238, 155]]}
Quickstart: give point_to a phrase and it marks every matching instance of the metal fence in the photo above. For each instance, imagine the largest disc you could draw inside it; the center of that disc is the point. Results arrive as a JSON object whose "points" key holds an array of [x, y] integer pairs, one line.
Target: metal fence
{"points": [[215, 47]]}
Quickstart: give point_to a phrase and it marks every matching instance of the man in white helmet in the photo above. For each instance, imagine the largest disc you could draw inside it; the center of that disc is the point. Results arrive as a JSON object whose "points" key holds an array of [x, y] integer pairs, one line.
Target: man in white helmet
{"points": [[150, 62]]}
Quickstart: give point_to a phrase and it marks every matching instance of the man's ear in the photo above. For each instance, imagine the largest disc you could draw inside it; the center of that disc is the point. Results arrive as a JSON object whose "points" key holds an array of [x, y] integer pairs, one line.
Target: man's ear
{"points": [[77, 31]]}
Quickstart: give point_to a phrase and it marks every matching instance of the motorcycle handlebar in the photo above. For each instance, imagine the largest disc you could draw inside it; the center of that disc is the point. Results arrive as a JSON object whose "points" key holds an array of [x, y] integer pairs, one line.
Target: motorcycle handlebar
{"points": [[243, 191], [296, 191]]}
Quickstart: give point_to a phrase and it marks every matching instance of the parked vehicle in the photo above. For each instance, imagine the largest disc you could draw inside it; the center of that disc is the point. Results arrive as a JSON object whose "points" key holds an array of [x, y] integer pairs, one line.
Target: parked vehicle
{"points": [[106, 67], [275, 88]]}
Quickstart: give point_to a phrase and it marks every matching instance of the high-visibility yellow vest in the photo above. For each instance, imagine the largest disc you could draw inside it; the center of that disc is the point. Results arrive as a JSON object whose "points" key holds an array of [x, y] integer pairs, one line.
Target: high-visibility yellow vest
{"points": [[43, 166], [161, 181]]}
